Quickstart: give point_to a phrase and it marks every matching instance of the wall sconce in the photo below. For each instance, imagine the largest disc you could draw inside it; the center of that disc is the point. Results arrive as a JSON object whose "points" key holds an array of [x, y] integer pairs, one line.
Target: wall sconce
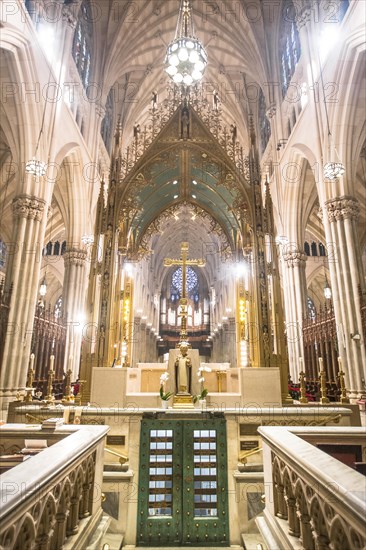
{"points": [[355, 336]]}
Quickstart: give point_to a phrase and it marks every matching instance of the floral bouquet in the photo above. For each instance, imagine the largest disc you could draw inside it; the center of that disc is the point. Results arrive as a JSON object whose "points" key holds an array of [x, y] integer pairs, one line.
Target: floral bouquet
{"points": [[164, 395], [201, 380]]}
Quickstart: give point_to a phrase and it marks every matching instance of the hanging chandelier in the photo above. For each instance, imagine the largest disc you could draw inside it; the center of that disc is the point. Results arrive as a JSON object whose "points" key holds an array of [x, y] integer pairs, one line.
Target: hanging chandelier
{"points": [[186, 58]]}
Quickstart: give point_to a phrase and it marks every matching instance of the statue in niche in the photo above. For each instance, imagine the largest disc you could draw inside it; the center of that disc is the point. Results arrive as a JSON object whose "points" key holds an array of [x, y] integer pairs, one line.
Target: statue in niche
{"points": [[183, 371], [215, 100], [184, 123], [233, 132]]}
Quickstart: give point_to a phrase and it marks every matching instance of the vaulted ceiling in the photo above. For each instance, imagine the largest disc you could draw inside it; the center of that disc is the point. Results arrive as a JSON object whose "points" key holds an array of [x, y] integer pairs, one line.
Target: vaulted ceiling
{"points": [[135, 36]]}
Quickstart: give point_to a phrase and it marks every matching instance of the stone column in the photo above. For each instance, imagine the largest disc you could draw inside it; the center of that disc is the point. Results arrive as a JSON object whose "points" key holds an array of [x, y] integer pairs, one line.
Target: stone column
{"points": [[295, 307], [345, 266], [74, 289], [23, 275]]}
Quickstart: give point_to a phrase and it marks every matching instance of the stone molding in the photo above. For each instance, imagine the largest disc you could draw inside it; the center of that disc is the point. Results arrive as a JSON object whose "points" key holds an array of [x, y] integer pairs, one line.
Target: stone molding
{"points": [[342, 208], [28, 207], [75, 256], [295, 258]]}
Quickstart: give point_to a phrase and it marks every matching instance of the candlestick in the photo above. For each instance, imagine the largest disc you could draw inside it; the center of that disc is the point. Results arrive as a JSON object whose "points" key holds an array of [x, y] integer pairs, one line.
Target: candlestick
{"points": [[303, 398], [68, 395], [78, 398], [340, 376], [301, 364], [340, 363], [323, 387], [71, 359], [52, 361], [30, 380], [320, 363], [49, 396]]}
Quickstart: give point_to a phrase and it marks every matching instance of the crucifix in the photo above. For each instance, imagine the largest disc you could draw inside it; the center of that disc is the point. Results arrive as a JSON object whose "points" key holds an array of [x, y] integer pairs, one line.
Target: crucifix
{"points": [[183, 262]]}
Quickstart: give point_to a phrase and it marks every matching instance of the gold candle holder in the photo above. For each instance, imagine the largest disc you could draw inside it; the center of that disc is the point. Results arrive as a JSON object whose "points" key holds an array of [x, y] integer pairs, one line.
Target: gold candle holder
{"points": [[29, 388], [68, 396], [79, 396], [340, 376], [220, 374], [51, 375], [303, 398], [323, 387]]}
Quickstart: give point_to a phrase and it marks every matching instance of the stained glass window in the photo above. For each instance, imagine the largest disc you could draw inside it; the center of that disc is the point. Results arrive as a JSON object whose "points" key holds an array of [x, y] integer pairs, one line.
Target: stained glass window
{"points": [[81, 48], [192, 280], [335, 10], [344, 5], [290, 49], [2, 253], [264, 125]]}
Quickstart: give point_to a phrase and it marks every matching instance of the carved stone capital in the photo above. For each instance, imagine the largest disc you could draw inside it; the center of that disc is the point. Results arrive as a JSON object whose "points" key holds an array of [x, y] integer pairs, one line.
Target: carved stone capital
{"points": [[75, 256], [100, 110], [303, 18], [295, 258], [28, 207], [271, 111], [68, 15], [342, 208]]}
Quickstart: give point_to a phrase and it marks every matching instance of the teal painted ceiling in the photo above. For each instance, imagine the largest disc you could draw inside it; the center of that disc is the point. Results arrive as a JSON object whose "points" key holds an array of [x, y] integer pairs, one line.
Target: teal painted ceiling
{"points": [[177, 171]]}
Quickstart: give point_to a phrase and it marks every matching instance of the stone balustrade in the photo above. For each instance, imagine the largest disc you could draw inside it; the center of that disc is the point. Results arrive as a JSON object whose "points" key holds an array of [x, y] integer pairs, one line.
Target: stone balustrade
{"points": [[53, 499], [313, 500]]}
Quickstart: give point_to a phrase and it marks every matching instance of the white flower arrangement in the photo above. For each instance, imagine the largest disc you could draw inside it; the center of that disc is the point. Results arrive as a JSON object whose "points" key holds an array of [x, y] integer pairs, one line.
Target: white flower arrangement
{"points": [[201, 380], [164, 395]]}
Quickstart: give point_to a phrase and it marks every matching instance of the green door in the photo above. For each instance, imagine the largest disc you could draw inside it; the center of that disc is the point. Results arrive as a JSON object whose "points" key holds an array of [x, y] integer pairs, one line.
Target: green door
{"points": [[183, 483]]}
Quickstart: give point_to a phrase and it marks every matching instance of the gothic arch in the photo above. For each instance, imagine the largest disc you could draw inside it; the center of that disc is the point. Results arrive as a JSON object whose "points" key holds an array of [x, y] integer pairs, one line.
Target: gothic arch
{"points": [[348, 130], [23, 69], [46, 521], [319, 522], [339, 534], [25, 538]]}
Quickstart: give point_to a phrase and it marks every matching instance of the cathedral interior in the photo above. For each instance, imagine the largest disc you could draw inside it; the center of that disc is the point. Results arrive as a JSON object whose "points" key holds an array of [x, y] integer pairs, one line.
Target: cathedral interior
{"points": [[182, 274]]}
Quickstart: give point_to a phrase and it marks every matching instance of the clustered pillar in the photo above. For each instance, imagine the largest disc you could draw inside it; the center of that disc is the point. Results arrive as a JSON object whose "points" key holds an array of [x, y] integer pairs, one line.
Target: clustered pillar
{"points": [[22, 274], [73, 303], [296, 307], [340, 217]]}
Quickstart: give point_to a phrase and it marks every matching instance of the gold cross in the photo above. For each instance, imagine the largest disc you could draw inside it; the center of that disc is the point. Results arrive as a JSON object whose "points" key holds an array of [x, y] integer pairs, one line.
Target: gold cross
{"points": [[184, 262]]}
